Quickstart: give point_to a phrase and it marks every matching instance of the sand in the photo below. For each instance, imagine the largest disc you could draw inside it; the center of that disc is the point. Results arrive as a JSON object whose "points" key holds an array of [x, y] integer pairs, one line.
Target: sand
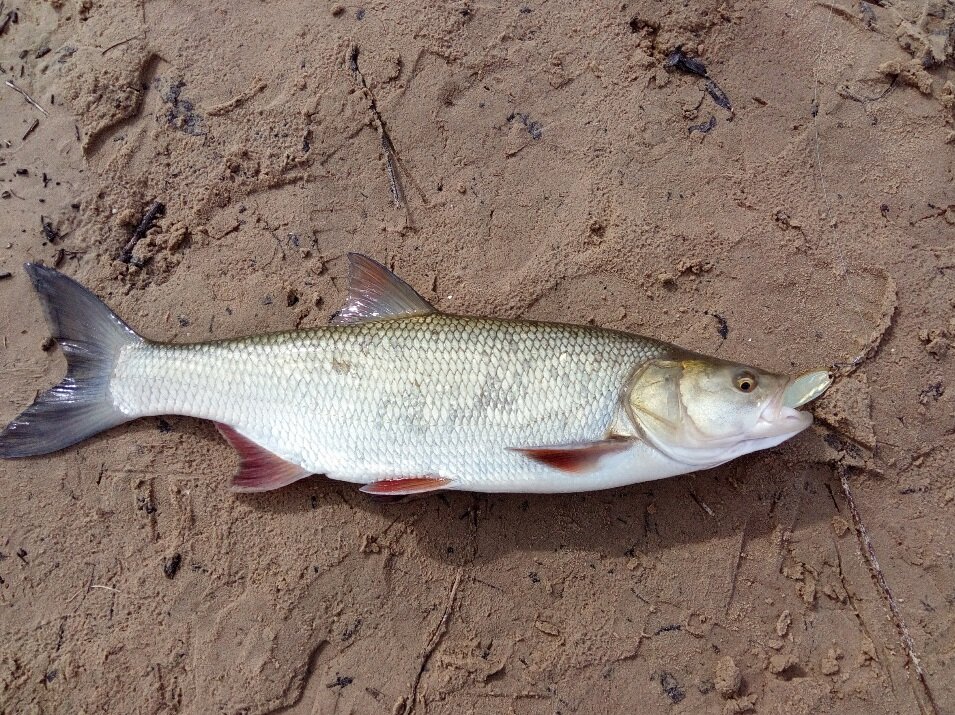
{"points": [[547, 163]]}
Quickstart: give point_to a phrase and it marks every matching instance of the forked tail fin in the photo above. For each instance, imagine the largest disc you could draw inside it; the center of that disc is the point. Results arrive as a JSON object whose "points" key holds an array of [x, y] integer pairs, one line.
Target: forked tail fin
{"points": [[91, 337]]}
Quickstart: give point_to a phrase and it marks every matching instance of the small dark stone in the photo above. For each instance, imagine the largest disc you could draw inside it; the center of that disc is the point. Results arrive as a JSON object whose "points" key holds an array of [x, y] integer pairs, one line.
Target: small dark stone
{"points": [[163, 426], [47, 345], [171, 565]]}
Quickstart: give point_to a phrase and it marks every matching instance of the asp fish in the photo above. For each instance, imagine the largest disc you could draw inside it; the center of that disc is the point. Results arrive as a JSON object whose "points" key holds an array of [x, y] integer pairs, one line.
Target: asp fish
{"points": [[402, 398]]}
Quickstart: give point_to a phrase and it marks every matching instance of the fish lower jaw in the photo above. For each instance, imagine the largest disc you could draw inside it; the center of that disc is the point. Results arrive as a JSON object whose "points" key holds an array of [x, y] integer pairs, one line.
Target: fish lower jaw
{"points": [[785, 422]]}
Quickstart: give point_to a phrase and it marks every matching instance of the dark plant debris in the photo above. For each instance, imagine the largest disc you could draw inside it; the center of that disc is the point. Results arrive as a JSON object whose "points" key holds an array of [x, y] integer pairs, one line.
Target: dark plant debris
{"points": [[30, 130], [718, 95], [534, 128], [931, 392], [49, 230], [668, 629], [10, 17], [156, 210], [181, 113], [679, 60], [722, 327], [671, 687], [704, 128]]}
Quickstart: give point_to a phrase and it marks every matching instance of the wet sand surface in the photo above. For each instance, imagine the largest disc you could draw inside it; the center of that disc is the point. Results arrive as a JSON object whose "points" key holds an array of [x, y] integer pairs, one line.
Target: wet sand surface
{"points": [[779, 191]]}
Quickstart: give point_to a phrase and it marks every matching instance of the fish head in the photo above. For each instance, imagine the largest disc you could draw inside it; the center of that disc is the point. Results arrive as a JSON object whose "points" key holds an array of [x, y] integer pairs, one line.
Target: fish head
{"points": [[704, 411]]}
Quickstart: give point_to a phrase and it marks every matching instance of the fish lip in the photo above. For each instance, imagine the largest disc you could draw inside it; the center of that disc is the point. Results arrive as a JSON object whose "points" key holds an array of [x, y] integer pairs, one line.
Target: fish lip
{"points": [[781, 414]]}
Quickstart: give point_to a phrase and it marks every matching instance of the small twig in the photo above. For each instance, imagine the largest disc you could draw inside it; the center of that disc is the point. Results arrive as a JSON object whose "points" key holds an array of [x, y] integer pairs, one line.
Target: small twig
{"points": [[121, 43], [393, 183], [13, 85], [702, 504], [105, 588], [28, 132], [391, 156], [157, 209], [868, 553], [436, 637]]}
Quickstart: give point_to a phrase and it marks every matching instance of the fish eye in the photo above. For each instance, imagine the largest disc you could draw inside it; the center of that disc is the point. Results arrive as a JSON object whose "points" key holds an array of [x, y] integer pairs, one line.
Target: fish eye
{"points": [[746, 382]]}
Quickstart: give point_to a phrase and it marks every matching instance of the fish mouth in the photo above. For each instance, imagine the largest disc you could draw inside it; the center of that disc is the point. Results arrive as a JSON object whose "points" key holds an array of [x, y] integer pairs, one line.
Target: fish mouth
{"points": [[781, 415]]}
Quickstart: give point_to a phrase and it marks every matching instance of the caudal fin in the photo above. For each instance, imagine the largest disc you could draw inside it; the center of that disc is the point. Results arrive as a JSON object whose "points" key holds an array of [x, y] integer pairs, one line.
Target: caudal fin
{"points": [[91, 337]]}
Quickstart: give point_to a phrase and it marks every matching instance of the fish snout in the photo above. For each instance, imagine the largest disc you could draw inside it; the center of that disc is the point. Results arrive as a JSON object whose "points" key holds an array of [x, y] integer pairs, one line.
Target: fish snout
{"points": [[806, 388]]}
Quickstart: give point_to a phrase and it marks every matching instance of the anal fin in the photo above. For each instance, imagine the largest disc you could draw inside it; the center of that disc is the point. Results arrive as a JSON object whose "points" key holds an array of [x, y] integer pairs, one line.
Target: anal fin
{"points": [[260, 470], [406, 485], [578, 458]]}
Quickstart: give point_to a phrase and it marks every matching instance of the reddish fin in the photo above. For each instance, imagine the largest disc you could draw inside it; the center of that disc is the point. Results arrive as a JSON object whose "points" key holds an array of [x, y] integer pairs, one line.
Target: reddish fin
{"points": [[375, 293], [406, 485], [577, 458], [260, 470]]}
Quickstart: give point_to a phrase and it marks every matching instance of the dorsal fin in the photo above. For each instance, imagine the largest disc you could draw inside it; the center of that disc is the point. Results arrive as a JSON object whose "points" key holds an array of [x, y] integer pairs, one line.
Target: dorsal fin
{"points": [[375, 293]]}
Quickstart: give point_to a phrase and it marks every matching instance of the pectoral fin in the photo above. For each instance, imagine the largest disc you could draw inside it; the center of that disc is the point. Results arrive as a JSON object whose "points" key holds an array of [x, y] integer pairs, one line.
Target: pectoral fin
{"points": [[260, 470], [577, 458]]}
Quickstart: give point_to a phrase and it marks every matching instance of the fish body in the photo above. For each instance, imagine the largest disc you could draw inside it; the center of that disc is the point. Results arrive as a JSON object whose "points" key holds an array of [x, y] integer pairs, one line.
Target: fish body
{"points": [[402, 398], [434, 394]]}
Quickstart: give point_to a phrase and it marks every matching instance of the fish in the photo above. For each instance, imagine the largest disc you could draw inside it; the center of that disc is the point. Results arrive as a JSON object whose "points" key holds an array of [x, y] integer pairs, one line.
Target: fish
{"points": [[401, 398]]}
